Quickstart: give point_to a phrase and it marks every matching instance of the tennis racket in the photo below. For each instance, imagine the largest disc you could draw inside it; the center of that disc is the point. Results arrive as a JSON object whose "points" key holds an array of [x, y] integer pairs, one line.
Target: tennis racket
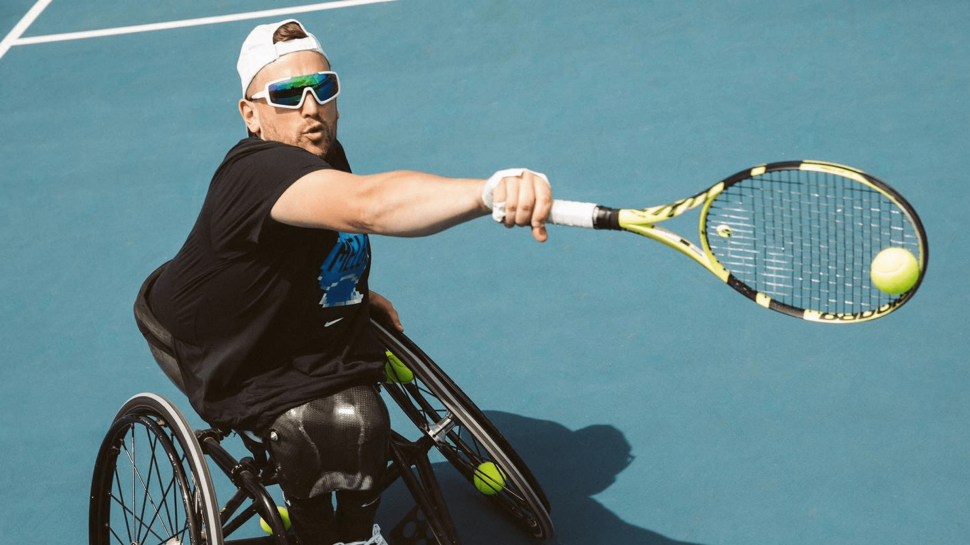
{"points": [[796, 237]]}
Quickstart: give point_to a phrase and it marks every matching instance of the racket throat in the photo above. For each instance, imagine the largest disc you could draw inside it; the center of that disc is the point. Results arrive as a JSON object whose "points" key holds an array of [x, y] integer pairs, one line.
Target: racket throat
{"points": [[606, 218]]}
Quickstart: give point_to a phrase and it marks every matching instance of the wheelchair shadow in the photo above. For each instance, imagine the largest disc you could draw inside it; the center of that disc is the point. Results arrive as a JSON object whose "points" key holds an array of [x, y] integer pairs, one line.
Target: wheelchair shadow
{"points": [[560, 460]]}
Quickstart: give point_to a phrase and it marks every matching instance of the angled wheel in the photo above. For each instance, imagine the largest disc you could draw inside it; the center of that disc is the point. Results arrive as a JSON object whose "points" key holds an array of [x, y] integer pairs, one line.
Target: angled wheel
{"points": [[151, 484], [461, 432]]}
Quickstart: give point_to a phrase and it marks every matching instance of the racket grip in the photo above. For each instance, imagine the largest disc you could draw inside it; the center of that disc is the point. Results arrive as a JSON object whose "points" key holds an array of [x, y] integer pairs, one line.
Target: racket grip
{"points": [[572, 214]]}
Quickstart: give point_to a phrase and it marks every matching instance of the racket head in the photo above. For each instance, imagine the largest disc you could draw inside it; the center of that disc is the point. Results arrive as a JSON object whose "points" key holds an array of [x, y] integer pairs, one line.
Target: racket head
{"points": [[799, 237]]}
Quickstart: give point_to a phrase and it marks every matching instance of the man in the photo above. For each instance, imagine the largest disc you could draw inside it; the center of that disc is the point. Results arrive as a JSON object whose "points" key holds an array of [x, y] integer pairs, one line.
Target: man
{"points": [[268, 300]]}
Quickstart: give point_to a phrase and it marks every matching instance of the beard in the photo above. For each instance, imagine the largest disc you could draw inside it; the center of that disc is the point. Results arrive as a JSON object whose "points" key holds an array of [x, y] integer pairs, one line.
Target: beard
{"points": [[321, 141], [318, 139], [315, 137]]}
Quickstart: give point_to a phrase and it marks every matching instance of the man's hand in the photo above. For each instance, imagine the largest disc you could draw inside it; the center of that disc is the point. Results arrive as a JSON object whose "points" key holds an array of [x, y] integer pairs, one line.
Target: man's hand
{"points": [[381, 306], [527, 199]]}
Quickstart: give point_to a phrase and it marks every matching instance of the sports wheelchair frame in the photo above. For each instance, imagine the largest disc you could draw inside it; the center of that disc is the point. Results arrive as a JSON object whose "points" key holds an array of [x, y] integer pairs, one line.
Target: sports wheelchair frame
{"points": [[152, 482]]}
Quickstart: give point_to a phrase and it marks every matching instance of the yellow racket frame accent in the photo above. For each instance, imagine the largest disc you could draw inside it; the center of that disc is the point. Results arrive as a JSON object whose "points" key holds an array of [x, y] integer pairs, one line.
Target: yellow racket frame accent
{"points": [[643, 222]]}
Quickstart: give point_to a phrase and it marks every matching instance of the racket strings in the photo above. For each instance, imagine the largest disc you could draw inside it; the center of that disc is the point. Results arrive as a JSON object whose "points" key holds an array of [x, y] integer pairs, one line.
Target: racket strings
{"points": [[807, 238]]}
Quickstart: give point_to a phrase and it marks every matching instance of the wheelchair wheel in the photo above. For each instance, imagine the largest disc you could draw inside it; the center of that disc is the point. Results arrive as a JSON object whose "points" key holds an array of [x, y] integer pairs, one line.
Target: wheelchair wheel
{"points": [[462, 433], [151, 483]]}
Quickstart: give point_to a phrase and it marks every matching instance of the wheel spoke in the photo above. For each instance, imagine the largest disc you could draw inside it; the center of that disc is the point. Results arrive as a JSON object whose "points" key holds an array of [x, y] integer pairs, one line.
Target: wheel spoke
{"points": [[148, 501], [145, 493]]}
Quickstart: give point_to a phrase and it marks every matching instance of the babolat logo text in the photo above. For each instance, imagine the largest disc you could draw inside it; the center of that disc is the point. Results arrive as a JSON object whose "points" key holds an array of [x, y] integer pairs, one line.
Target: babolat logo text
{"points": [[866, 314]]}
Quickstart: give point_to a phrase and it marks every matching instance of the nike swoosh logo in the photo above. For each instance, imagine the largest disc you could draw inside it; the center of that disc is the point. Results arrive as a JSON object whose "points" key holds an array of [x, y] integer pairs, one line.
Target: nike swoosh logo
{"points": [[331, 322]]}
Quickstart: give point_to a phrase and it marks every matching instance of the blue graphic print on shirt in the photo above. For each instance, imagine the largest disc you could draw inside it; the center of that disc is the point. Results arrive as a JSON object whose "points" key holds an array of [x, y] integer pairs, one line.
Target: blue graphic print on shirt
{"points": [[343, 269]]}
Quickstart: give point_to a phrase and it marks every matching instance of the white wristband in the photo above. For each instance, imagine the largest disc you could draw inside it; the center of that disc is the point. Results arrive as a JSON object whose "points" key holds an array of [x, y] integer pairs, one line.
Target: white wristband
{"points": [[498, 208]]}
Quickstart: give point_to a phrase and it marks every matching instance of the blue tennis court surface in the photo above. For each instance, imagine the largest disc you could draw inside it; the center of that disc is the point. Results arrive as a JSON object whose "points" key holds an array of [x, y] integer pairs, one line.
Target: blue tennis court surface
{"points": [[653, 404]]}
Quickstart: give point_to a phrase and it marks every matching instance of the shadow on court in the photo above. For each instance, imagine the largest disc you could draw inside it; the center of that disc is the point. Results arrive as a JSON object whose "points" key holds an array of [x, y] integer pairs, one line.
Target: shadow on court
{"points": [[571, 466]]}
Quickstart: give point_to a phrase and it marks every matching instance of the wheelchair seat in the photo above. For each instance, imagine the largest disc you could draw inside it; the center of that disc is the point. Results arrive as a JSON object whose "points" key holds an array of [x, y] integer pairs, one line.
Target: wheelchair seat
{"points": [[159, 339]]}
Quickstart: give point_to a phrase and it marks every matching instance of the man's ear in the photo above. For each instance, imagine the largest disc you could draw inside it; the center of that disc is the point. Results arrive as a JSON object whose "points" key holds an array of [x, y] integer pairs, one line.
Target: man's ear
{"points": [[249, 115]]}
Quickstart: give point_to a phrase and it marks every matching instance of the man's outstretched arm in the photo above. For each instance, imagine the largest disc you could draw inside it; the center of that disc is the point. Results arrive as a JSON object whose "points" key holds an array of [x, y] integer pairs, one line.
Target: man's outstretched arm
{"points": [[409, 204]]}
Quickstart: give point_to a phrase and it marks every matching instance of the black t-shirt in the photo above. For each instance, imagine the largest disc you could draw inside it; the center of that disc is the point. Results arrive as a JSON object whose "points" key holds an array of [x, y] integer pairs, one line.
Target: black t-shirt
{"points": [[266, 316]]}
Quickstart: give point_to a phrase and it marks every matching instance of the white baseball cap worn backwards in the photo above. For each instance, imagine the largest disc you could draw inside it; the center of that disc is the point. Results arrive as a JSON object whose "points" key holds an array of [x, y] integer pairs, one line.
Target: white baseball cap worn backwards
{"points": [[259, 50]]}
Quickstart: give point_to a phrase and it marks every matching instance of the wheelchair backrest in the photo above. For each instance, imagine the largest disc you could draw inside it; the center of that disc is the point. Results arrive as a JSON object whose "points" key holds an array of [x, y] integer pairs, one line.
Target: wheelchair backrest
{"points": [[159, 339]]}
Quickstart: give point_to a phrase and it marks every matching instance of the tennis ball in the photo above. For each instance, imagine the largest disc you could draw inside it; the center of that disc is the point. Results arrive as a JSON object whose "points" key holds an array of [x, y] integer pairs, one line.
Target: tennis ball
{"points": [[396, 371], [895, 270], [489, 479], [284, 514]]}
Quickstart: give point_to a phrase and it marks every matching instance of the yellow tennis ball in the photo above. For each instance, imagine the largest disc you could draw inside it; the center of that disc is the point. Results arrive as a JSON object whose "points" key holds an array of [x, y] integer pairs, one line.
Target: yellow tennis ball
{"points": [[284, 514], [895, 270], [489, 479], [396, 371]]}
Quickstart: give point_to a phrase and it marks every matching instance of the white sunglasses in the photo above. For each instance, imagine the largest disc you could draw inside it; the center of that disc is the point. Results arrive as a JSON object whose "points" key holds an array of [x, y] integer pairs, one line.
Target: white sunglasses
{"points": [[289, 93]]}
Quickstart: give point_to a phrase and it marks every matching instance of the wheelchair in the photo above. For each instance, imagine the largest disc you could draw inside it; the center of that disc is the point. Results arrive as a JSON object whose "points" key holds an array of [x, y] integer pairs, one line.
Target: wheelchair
{"points": [[152, 481]]}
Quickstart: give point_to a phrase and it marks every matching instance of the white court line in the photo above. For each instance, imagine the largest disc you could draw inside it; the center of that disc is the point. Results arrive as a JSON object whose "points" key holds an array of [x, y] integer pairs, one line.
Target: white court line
{"points": [[10, 39], [14, 37]]}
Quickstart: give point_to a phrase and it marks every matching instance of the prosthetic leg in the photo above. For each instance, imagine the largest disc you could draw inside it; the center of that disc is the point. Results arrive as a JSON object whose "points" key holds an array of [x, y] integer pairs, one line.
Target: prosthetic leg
{"points": [[335, 444]]}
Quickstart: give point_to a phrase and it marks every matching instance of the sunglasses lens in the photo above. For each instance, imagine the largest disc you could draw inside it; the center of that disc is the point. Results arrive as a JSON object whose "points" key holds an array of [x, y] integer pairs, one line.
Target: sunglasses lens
{"points": [[327, 88], [290, 92]]}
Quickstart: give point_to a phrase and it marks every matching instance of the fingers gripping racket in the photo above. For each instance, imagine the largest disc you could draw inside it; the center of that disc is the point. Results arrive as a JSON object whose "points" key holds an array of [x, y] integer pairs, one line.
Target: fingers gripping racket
{"points": [[796, 237]]}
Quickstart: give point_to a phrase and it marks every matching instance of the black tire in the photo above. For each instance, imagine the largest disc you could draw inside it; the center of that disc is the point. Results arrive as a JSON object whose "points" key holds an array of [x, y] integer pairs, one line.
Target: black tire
{"points": [[463, 434], [151, 483]]}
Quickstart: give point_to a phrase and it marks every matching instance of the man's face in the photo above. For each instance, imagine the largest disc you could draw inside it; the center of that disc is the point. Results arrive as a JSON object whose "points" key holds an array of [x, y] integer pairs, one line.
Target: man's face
{"points": [[312, 127]]}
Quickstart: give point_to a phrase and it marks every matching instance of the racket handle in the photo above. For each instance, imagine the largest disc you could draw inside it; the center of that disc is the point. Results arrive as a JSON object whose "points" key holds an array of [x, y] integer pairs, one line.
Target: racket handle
{"points": [[572, 213], [583, 214]]}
